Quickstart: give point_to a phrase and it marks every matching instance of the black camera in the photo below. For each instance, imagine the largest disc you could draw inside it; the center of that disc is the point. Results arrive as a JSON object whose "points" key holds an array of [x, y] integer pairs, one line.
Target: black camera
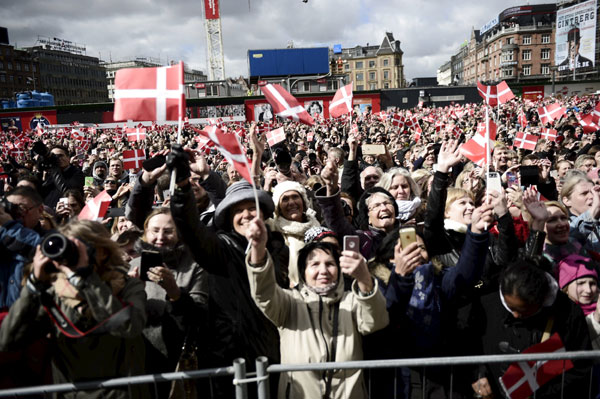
{"points": [[47, 159], [10, 208], [59, 248]]}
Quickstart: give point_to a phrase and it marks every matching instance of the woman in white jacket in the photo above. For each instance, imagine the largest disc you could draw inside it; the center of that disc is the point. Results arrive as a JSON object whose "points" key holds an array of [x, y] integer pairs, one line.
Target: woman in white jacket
{"points": [[317, 321]]}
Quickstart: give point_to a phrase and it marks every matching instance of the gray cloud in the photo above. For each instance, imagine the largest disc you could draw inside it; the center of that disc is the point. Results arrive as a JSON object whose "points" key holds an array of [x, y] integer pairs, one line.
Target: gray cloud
{"points": [[429, 30]]}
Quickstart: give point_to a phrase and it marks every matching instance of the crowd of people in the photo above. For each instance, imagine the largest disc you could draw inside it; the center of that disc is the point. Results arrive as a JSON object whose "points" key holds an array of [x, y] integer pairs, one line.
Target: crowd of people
{"points": [[365, 239]]}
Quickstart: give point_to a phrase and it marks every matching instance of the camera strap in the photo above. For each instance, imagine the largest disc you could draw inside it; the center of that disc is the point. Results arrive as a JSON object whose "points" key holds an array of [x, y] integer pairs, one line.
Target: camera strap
{"points": [[68, 328]]}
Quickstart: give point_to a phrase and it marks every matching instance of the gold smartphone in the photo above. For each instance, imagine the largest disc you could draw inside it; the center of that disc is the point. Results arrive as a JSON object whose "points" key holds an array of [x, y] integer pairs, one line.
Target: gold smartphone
{"points": [[408, 235]]}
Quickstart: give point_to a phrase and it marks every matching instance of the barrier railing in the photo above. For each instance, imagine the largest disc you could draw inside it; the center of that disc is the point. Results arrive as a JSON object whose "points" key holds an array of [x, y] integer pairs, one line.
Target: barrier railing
{"points": [[241, 379]]}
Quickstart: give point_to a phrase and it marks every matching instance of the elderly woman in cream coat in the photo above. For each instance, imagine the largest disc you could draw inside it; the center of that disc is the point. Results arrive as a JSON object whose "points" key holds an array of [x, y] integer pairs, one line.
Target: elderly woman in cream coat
{"points": [[317, 320], [292, 219]]}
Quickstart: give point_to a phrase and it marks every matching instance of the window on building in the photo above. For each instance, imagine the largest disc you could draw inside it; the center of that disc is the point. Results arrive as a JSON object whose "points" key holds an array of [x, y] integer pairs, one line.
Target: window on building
{"points": [[359, 77], [545, 53], [358, 65], [509, 40], [546, 38], [11, 78], [372, 75], [386, 85], [545, 69], [386, 62], [508, 56], [9, 65], [18, 66], [526, 55], [346, 66], [332, 85], [372, 86], [386, 75], [3, 78], [526, 70], [306, 86], [26, 66], [372, 64], [360, 87], [507, 72], [527, 39], [1, 64]]}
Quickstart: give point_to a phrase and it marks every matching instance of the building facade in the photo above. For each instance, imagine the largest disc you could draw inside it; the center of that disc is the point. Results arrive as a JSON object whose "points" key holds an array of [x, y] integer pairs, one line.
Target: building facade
{"points": [[444, 74], [68, 74], [19, 71], [372, 67]]}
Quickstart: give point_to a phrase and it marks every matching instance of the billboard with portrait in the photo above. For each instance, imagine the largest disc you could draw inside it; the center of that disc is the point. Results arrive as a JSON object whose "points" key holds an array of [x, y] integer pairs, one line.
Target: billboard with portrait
{"points": [[576, 37], [314, 107]]}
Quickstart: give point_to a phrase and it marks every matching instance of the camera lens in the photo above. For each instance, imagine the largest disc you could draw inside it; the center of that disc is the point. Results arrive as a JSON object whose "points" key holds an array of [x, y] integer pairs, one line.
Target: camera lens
{"points": [[59, 248]]}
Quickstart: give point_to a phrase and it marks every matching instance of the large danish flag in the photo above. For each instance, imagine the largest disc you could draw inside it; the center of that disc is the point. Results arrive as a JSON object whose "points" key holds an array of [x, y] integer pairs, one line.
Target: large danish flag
{"points": [[522, 379], [137, 134], [342, 102], [285, 105], [587, 123], [230, 147], [132, 159], [549, 134], [96, 208], [275, 136], [489, 93], [476, 148], [149, 94], [549, 113], [526, 141], [504, 92]]}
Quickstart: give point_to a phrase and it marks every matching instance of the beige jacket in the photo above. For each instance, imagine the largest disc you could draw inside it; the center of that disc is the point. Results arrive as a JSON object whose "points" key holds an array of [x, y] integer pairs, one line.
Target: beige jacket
{"points": [[305, 323]]}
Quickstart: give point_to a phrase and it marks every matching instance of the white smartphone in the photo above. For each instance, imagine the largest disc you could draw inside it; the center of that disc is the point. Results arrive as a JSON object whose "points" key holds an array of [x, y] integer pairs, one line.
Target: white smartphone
{"points": [[494, 182]]}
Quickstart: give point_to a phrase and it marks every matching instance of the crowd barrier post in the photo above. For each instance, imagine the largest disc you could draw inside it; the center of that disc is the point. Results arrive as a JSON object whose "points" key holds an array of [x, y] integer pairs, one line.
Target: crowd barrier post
{"points": [[239, 375], [262, 377]]}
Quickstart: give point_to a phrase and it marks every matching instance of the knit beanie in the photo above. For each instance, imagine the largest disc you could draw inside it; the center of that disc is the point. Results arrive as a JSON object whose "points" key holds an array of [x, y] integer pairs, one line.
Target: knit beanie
{"points": [[573, 267], [285, 186]]}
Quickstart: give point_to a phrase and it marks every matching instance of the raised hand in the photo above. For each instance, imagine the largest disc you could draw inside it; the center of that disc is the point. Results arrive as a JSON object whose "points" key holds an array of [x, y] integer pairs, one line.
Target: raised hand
{"points": [[448, 156], [354, 264], [329, 174], [482, 218]]}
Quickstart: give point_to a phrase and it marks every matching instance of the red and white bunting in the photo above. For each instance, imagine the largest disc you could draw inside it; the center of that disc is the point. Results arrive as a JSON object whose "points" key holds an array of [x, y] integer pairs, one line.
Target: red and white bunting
{"points": [[525, 140], [96, 208], [132, 159], [504, 92], [342, 102], [231, 149], [522, 379], [149, 94], [488, 93], [549, 134], [137, 134], [550, 113], [285, 105], [476, 149], [275, 136]]}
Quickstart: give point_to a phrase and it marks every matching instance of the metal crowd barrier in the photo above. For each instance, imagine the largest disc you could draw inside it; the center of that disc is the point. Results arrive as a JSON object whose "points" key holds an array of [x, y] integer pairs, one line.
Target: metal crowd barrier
{"points": [[241, 378]]}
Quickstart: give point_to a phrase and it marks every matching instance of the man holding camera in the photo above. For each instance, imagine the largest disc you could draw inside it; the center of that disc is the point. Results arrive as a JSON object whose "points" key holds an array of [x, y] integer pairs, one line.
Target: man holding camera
{"points": [[58, 173]]}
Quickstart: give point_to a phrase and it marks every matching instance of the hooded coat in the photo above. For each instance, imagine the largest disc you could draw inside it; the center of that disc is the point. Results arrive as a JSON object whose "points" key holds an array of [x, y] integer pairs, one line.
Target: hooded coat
{"points": [[305, 321]]}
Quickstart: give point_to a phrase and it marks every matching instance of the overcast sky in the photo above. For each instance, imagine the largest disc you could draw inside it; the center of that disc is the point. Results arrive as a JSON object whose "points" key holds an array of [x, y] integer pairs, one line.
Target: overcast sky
{"points": [[430, 31]]}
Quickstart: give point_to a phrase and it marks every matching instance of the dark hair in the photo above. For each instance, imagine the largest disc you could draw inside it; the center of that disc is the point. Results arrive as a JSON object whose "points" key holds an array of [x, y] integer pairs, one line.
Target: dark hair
{"points": [[28, 192], [62, 148], [77, 196], [308, 248], [527, 280], [128, 236]]}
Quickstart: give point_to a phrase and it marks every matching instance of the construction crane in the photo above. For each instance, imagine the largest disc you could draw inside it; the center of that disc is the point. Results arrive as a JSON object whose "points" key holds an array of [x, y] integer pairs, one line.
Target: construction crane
{"points": [[214, 40]]}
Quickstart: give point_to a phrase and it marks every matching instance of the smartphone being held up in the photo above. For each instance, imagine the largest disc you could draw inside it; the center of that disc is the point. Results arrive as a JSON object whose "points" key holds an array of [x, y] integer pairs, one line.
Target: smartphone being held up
{"points": [[407, 235], [149, 259], [494, 182], [352, 243]]}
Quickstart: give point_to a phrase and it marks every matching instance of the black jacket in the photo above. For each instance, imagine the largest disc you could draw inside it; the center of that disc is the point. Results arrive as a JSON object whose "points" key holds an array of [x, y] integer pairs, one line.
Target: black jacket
{"points": [[237, 327], [57, 182]]}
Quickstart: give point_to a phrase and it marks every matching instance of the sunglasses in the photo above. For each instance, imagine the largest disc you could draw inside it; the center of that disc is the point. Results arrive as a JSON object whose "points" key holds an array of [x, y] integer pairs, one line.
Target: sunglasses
{"points": [[110, 182]]}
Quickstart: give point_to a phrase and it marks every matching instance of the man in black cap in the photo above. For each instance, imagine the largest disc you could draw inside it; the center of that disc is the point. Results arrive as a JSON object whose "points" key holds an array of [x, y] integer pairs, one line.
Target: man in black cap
{"points": [[574, 59]]}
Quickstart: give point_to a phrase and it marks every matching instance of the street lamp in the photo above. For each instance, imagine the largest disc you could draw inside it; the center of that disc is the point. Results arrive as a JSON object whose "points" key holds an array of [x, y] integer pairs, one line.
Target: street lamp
{"points": [[553, 68]]}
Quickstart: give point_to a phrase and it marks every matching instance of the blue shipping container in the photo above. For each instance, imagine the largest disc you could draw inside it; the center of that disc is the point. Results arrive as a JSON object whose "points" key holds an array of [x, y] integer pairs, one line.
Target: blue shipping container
{"points": [[293, 61]]}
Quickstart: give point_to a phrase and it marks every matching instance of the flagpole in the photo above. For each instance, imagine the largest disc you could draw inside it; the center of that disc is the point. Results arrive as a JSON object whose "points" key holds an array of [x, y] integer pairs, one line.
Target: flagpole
{"points": [[179, 125], [488, 156]]}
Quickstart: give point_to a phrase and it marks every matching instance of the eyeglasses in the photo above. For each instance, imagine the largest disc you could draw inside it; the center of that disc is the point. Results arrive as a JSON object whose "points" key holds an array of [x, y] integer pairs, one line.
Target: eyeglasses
{"points": [[377, 205]]}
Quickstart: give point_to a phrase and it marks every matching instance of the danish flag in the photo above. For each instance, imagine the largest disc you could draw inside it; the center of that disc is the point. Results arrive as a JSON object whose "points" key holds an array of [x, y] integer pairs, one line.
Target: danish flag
{"points": [[587, 124], [275, 136], [231, 149], [84, 143], [489, 93], [149, 94], [413, 124], [550, 113], [96, 208], [505, 94], [77, 134], [596, 114], [285, 105], [549, 134], [476, 148], [132, 159], [523, 120], [398, 120], [342, 102], [456, 131], [526, 141], [137, 134], [522, 379]]}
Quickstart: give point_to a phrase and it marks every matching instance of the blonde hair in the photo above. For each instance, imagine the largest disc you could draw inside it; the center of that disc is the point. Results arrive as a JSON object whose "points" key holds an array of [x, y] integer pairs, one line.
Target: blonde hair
{"points": [[387, 178], [421, 178], [456, 194], [157, 211], [96, 235], [573, 178]]}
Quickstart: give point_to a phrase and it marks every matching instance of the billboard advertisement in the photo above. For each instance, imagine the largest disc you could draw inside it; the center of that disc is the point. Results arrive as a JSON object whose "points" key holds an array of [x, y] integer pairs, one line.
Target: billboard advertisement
{"points": [[576, 37], [211, 9], [284, 62]]}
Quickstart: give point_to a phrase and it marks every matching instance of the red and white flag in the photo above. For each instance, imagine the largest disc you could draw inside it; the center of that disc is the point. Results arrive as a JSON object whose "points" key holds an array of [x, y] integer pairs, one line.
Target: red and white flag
{"points": [[523, 122], [596, 114], [96, 208], [476, 149], [550, 113], [398, 121], [522, 379], [504, 92], [549, 134], [137, 134], [310, 136], [149, 94], [285, 105], [413, 124], [84, 143], [132, 159], [77, 134], [588, 124], [275, 136], [489, 93], [342, 102], [231, 149], [525, 140]]}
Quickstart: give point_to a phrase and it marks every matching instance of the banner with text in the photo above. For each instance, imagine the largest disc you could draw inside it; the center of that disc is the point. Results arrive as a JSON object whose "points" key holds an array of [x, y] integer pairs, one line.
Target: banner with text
{"points": [[576, 37]]}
